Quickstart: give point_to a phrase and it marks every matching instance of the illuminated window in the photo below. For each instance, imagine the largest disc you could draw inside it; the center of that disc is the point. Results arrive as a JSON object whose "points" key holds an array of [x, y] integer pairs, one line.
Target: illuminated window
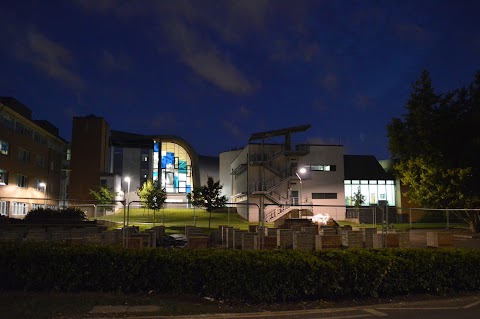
{"points": [[39, 185], [3, 177], [3, 147], [3, 208], [175, 168], [20, 208], [326, 168]]}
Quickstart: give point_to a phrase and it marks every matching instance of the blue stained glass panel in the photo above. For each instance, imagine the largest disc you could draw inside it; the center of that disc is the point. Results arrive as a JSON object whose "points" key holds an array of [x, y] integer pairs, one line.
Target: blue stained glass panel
{"points": [[168, 159], [182, 166]]}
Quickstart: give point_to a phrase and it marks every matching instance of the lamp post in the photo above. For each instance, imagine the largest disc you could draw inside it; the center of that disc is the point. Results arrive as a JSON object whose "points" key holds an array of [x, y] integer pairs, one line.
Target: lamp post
{"points": [[300, 189], [301, 171], [44, 186], [127, 179]]}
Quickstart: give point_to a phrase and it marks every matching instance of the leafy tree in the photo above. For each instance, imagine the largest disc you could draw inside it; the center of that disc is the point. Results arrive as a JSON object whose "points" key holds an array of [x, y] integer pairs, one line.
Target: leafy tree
{"points": [[208, 197], [104, 196], [434, 147], [358, 199], [151, 195]]}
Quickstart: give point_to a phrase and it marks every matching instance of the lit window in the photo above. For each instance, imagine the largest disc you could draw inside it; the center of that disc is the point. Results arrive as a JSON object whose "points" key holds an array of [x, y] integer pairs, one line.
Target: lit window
{"points": [[20, 208], [3, 208], [3, 177], [3, 147]]}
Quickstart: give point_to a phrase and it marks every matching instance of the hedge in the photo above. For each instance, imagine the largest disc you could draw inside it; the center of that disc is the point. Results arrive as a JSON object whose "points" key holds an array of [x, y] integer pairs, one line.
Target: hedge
{"points": [[252, 276]]}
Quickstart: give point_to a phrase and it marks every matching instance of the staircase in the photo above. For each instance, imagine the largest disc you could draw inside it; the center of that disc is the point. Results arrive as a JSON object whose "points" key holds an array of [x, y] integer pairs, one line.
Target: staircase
{"points": [[268, 188]]}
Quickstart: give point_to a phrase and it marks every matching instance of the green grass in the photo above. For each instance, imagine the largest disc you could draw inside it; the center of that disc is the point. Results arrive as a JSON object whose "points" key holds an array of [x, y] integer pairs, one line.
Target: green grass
{"points": [[175, 219]]}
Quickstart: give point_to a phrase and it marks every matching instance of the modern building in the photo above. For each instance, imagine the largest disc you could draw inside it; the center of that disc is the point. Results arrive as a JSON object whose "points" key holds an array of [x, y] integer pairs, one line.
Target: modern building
{"points": [[270, 178], [33, 161], [123, 162], [269, 181]]}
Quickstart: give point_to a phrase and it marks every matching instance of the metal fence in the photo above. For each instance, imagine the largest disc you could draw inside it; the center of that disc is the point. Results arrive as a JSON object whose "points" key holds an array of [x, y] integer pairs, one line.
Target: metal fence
{"points": [[234, 213]]}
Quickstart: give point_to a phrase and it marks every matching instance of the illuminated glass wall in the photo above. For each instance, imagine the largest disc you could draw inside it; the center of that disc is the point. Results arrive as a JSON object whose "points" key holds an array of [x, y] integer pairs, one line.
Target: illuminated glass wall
{"points": [[172, 167], [373, 190]]}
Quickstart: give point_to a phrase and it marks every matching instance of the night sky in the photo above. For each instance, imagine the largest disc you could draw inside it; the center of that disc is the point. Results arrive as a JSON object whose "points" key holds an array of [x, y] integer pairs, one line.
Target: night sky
{"points": [[214, 72]]}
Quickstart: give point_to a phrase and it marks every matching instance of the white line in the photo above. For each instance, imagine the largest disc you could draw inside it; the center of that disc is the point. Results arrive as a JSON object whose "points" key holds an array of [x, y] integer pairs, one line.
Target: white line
{"points": [[375, 312], [345, 317], [420, 308], [471, 305]]}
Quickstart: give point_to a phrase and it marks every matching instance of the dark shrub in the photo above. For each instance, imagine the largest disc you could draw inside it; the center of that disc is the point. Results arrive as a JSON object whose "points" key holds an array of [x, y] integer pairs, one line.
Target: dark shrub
{"points": [[49, 215]]}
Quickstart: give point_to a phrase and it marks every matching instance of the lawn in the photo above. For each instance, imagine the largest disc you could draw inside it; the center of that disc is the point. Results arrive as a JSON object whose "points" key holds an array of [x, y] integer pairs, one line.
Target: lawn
{"points": [[175, 219]]}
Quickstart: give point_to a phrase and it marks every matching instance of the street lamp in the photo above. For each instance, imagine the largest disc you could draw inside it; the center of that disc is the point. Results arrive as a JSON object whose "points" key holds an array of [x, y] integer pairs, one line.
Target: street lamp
{"points": [[126, 207], [127, 179], [44, 186], [301, 171]]}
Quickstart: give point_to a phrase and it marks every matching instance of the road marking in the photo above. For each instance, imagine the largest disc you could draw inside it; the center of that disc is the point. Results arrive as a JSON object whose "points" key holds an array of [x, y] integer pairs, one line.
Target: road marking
{"points": [[471, 305], [345, 317], [420, 308], [375, 312]]}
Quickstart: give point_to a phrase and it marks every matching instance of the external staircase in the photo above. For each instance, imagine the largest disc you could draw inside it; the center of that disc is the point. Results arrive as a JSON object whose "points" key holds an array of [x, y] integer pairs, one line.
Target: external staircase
{"points": [[268, 188]]}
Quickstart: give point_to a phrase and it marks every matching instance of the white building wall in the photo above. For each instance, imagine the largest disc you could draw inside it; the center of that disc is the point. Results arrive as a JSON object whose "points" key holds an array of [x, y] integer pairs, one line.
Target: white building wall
{"points": [[225, 167], [325, 181]]}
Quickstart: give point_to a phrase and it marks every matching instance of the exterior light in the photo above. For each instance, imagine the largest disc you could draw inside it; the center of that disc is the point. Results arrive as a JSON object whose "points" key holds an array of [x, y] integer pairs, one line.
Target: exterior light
{"points": [[44, 186]]}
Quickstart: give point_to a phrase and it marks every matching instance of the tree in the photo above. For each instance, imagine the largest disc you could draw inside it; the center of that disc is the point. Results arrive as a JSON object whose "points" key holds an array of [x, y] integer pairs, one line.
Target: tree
{"points": [[151, 195], [433, 147], [358, 199], [208, 196], [104, 196]]}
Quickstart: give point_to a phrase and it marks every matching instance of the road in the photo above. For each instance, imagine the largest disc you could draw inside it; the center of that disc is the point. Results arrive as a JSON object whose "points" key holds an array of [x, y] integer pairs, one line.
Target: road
{"points": [[467, 307]]}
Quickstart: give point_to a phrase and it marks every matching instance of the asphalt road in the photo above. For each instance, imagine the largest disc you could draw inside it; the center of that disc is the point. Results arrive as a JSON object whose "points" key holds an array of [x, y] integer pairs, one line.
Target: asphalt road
{"points": [[465, 307]]}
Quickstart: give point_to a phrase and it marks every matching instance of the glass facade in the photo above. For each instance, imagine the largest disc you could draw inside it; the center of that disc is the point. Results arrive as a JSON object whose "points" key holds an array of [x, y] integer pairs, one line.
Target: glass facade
{"points": [[172, 167], [372, 190]]}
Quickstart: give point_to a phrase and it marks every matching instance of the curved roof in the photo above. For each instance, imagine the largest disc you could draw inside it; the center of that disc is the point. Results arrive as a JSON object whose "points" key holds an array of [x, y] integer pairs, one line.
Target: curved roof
{"points": [[190, 150], [138, 140]]}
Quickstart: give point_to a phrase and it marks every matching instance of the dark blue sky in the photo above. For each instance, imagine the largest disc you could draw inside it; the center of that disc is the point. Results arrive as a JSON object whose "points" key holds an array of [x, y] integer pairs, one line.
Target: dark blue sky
{"points": [[214, 72]]}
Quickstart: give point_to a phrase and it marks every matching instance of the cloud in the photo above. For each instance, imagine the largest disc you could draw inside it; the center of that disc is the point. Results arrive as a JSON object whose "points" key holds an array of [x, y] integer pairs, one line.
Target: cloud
{"points": [[205, 60], [218, 71], [47, 56], [234, 130], [325, 141], [164, 121], [244, 111], [111, 62]]}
